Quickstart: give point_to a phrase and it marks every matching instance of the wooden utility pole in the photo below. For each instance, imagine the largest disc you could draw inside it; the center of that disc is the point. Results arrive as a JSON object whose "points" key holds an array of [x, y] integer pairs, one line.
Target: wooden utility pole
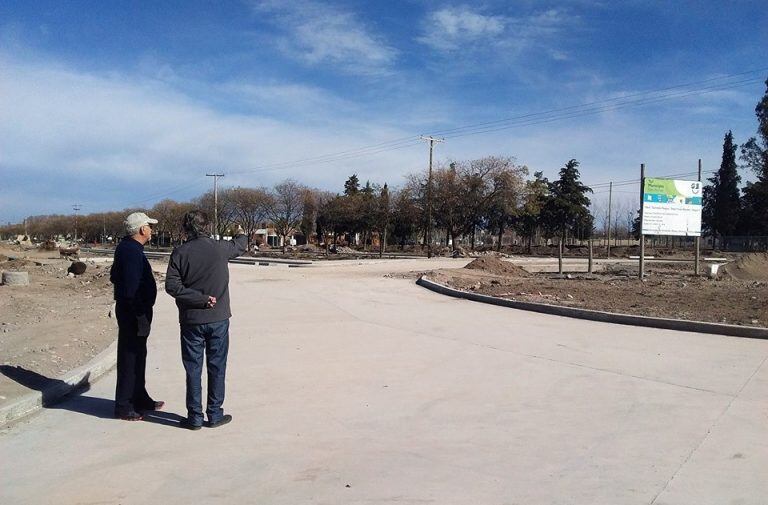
{"points": [[76, 207], [642, 237], [697, 256], [215, 204], [432, 141], [610, 198]]}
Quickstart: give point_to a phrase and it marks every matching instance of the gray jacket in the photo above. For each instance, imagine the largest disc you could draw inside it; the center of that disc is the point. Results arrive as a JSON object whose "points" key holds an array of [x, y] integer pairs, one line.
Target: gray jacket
{"points": [[198, 269]]}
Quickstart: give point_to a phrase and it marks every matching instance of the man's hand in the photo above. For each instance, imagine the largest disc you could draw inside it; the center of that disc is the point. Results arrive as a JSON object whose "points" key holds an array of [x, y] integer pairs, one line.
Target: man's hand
{"points": [[211, 302]]}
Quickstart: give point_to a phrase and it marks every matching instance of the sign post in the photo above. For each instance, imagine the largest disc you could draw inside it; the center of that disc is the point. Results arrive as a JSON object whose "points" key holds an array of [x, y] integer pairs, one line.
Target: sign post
{"points": [[642, 237], [670, 207]]}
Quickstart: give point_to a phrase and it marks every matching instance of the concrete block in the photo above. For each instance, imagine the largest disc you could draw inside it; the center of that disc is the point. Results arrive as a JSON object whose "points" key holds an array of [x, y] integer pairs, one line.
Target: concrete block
{"points": [[15, 278]]}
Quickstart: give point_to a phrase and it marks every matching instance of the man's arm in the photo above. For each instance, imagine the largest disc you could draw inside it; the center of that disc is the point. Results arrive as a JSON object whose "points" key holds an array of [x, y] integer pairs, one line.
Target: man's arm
{"points": [[237, 246], [174, 286]]}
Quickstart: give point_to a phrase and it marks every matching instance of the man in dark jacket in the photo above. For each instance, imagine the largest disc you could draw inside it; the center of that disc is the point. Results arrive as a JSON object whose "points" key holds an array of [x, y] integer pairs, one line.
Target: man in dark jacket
{"points": [[135, 294], [198, 278]]}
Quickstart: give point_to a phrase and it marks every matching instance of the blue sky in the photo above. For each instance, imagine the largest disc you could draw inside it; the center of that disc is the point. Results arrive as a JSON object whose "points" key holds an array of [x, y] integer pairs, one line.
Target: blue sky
{"points": [[118, 104]]}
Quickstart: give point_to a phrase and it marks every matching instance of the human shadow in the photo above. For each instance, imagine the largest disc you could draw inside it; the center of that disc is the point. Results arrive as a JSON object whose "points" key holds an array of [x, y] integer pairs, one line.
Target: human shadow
{"points": [[59, 395], [164, 418]]}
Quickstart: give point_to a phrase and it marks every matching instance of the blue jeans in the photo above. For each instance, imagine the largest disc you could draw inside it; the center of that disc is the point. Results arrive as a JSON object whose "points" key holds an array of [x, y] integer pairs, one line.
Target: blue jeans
{"points": [[213, 339]]}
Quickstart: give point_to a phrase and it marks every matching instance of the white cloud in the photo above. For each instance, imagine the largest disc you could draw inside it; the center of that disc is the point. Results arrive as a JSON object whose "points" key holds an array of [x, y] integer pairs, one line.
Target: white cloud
{"points": [[319, 34], [110, 141], [456, 30], [451, 28]]}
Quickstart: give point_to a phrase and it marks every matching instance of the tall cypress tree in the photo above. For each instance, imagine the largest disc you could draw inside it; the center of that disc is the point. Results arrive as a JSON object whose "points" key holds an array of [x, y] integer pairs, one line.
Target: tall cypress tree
{"points": [[567, 208], [721, 197], [754, 154]]}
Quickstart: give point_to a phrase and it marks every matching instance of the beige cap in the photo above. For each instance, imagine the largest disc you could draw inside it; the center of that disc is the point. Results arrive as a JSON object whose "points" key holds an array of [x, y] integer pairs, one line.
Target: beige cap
{"points": [[136, 220]]}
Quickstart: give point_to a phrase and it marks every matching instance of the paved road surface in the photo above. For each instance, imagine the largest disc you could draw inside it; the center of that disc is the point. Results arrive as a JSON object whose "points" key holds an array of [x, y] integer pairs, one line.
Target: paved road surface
{"points": [[351, 387]]}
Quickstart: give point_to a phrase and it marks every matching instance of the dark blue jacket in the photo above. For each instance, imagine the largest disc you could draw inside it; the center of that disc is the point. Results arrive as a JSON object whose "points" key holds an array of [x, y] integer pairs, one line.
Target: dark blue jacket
{"points": [[135, 287]]}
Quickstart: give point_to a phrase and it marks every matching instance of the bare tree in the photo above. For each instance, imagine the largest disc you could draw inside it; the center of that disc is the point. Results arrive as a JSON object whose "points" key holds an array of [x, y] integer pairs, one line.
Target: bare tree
{"points": [[286, 208], [169, 213], [250, 207], [504, 206], [447, 210], [225, 211]]}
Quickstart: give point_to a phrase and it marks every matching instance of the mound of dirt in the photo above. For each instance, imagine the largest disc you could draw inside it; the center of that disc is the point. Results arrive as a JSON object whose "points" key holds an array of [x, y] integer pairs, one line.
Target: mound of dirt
{"points": [[750, 267], [16, 264], [496, 266]]}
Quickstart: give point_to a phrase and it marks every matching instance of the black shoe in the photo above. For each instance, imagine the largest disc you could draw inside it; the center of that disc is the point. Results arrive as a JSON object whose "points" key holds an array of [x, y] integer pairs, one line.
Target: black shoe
{"points": [[188, 425], [226, 418], [152, 407], [130, 416]]}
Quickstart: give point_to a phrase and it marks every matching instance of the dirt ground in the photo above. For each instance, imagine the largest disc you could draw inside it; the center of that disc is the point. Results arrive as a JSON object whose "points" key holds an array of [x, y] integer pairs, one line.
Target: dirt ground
{"points": [[60, 322], [738, 296], [57, 322]]}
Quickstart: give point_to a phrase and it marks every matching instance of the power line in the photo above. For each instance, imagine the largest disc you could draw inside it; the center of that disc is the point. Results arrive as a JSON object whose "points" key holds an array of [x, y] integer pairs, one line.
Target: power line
{"points": [[619, 98], [531, 119], [597, 110], [536, 118]]}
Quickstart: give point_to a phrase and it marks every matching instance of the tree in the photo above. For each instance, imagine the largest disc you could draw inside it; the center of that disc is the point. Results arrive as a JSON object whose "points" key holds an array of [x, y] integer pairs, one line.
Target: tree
{"points": [[313, 199], [249, 207], [406, 215], [504, 205], [535, 196], [567, 208], [352, 185], [633, 222], [169, 214], [477, 191], [286, 208], [328, 217], [225, 213], [364, 204], [447, 211], [722, 205], [382, 218], [754, 155]]}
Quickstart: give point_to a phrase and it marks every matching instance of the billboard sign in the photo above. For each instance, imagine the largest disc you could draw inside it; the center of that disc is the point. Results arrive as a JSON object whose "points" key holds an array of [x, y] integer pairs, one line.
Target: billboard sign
{"points": [[672, 207]]}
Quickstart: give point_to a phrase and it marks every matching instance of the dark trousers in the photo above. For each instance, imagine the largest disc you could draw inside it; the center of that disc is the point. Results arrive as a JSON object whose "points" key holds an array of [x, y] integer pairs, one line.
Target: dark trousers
{"points": [[130, 391], [213, 340]]}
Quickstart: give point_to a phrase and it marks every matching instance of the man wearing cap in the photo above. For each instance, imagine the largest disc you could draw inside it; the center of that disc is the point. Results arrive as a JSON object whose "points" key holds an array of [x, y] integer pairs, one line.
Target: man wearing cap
{"points": [[135, 294]]}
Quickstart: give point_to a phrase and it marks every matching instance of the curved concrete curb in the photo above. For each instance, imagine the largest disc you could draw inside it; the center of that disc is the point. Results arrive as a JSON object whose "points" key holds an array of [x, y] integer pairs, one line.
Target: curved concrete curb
{"points": [[605, 317], [73, 380]]}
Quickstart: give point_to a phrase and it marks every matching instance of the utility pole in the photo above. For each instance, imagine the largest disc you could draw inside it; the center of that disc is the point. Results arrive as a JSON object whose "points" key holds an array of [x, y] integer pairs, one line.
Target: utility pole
{"points": [[697, 256], [642, 237], [610, 198], [215, 204], [76, 207], [432, 141]]}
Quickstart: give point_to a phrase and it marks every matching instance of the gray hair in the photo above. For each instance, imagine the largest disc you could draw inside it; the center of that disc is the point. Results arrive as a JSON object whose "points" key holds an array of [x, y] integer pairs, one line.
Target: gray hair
{"points": [[195, 223]]}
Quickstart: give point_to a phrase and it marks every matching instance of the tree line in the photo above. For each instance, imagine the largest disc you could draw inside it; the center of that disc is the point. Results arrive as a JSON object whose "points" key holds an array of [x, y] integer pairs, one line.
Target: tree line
{"points": [[728, 209], [454, 204], [489, 195]]}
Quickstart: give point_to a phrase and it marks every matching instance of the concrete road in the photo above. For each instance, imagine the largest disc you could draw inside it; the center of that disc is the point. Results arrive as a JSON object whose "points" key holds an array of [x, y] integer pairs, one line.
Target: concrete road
{"points": [[351, 387]]}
